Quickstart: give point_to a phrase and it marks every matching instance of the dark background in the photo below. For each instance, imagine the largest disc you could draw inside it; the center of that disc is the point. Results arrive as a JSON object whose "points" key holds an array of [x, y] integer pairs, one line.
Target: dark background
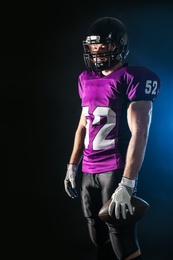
{"points": [[41, 58]]}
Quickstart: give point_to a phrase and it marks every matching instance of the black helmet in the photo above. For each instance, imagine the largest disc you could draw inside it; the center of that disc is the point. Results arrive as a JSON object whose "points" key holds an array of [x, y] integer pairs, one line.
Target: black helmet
{"points": [[107, 30]]}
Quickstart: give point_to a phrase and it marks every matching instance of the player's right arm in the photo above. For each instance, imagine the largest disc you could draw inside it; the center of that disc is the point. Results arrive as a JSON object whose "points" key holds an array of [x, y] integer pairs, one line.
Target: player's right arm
{"points": [[78, 145], [75, 158]]}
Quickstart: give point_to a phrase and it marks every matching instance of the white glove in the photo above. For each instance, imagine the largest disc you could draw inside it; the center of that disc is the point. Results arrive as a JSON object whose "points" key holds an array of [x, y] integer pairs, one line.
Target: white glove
{"points": [[121, 199], [69, 182]]}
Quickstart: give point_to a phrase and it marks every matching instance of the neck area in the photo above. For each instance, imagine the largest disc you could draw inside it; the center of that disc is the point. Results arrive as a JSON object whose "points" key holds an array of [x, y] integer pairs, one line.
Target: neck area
{"points": [[117, 66]]}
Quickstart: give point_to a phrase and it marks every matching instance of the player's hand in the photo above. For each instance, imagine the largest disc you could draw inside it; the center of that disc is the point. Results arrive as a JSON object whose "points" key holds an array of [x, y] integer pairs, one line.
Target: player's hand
{"points": [[69, 182], [121, 200]]}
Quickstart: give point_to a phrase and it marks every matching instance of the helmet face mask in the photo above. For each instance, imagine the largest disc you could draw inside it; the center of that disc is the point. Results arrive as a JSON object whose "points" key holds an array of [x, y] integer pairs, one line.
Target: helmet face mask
{"points": [[110, 37], [98, 56]]}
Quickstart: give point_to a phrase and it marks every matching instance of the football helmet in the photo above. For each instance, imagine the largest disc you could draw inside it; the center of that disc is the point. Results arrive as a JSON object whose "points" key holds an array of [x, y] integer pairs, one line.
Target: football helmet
{"points": [[108, 34]]}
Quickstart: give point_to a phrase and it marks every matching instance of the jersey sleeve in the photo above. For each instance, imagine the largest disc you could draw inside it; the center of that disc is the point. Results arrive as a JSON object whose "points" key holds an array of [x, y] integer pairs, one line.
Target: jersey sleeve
{"points": [[81, 83], [80, 87], [142, 84]]}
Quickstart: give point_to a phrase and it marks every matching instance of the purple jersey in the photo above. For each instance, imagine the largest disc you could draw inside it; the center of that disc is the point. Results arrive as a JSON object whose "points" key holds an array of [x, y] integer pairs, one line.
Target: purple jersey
{"points": [[104, 103]]}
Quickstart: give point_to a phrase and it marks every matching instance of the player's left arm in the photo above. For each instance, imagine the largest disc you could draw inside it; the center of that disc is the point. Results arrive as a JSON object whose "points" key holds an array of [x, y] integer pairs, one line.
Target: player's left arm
{"points": [[139, 119], [143, 87]]}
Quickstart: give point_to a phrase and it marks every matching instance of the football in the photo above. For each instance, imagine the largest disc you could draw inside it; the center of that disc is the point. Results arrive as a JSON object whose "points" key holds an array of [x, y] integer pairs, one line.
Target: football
{"points": [[140, 209]]}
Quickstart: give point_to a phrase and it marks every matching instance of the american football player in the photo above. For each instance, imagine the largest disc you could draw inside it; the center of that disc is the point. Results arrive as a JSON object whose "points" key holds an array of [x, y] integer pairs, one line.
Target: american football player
{"points": [[111, 136]]}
